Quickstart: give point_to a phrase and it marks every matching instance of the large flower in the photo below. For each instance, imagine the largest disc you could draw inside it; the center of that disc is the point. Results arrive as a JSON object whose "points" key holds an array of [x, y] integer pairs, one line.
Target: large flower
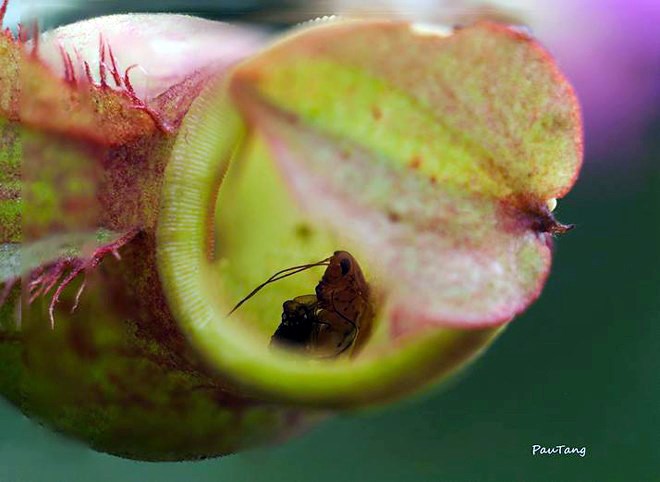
{"points": [[434, 157]]}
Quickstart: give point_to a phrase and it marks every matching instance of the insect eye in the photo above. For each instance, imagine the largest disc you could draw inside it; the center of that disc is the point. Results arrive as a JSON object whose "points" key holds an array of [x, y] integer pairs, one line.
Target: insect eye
{"points": [[345, 265]]}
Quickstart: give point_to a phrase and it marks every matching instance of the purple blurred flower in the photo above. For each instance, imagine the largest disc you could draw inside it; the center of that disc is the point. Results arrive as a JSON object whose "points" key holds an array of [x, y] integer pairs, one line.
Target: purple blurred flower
{"points": [[610, 50]]}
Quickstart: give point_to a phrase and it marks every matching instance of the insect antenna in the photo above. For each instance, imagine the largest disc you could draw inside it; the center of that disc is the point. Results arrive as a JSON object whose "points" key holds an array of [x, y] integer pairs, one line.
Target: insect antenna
{"points": [[281, 275]]}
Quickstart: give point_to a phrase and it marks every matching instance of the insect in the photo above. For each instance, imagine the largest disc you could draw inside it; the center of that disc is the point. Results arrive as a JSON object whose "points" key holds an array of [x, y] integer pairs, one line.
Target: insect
{"points": [[331, 321]]}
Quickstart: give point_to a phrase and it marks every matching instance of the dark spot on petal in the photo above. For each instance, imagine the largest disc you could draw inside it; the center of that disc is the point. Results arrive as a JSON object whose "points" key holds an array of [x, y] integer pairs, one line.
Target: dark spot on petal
{"points": [[376, 112], [415, 162], [304, 231], [554, 123], [393, 217]]}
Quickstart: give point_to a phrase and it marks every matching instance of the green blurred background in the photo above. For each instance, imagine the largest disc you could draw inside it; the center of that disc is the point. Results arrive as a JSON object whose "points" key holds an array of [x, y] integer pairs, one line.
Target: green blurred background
{"points": [[581, 367]]}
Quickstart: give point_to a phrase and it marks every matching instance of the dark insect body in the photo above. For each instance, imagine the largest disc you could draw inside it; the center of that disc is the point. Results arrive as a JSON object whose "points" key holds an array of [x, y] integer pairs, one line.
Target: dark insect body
{"points": [[331, 321]]}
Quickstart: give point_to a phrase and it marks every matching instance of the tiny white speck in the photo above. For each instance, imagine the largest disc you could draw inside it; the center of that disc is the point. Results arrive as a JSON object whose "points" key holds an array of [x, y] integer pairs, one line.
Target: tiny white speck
{"points": [[430, 29]]}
